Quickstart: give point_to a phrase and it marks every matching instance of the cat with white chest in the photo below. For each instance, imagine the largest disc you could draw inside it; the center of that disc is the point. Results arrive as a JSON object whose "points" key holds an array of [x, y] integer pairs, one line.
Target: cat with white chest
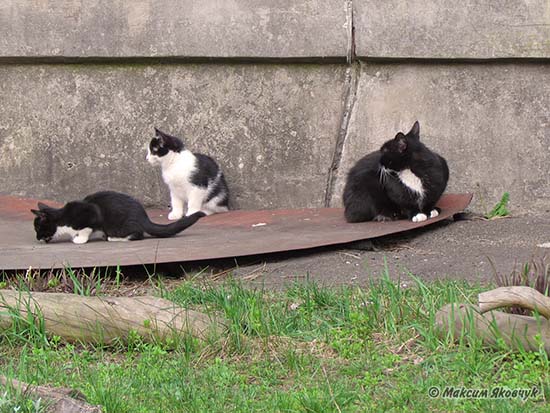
{"points": [[414, 176], [404, 179], [195, 180]]}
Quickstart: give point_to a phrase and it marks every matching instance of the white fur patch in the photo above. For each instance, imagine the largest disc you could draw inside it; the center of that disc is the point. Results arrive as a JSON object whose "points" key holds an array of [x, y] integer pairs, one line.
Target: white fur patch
{"points": [[115, 239], [434, 213], [177, 169], [420, 217], [80, 236], [212, 207], [411, 181], [83, 236], [152, 159], [174, 215], [64, 232]]}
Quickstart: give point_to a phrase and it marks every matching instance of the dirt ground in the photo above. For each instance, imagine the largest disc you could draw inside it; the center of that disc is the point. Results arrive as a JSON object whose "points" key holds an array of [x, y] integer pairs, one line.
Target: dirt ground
{"points": [[461, 249]]}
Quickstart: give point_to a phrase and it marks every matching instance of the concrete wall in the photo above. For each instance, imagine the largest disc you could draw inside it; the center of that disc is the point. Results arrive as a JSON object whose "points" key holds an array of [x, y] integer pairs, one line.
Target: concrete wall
{"points": [[284, 94]]}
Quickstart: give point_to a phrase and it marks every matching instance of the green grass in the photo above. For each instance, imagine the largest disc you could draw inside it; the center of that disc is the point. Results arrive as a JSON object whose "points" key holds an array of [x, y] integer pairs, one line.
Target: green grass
{"points": [[500, 209], [308, 348]]}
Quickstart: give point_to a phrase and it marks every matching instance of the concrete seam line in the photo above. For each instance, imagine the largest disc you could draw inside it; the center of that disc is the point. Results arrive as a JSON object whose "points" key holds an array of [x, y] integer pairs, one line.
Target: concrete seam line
{"points": [[350, 32], [350, 97], [427, 61], [176, 60]]}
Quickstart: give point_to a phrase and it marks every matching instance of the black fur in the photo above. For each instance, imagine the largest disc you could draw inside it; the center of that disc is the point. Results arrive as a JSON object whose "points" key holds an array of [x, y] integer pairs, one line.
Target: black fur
{"points": [[407, 152], [364, 195], [115, 214], [162, 143], [207, 169]]}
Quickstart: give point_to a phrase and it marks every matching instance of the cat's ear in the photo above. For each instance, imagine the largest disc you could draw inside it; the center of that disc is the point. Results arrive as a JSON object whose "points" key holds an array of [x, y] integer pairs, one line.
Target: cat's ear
{"points": [[160, 134], [43, 207], [401, 142], [38, 213], [161, 137], [415, 131]]}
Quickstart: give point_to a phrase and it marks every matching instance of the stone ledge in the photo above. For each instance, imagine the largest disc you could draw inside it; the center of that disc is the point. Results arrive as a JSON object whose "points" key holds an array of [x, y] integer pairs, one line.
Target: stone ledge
{"points": [[448, 29], [181, 28]]}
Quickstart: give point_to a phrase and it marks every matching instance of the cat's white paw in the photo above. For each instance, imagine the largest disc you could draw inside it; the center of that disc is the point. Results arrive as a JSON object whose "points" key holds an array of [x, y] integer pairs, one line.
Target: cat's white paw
{"points": [[115, 239], [80, 239], [434, 213], [82, 236], [420, 217], [175, 215]]}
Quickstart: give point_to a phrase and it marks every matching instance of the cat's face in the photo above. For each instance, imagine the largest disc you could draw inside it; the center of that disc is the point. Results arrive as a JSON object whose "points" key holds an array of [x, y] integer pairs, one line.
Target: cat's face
{"points": [[161, 145], [45, 223], [396, 152]]}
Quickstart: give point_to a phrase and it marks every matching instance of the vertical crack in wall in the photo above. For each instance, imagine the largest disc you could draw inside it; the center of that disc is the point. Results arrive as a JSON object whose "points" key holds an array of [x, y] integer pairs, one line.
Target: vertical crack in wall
{"points": [[350, 33], [350, 94]]}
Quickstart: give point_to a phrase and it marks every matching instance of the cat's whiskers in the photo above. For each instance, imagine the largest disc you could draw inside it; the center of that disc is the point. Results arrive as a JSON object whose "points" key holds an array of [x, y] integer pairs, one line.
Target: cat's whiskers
{"points": [[381, 174], [384, 173]]}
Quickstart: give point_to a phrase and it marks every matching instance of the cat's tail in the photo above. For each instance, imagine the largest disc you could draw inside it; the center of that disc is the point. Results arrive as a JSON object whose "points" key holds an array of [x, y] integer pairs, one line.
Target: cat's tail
{"points": [[164, 231]]}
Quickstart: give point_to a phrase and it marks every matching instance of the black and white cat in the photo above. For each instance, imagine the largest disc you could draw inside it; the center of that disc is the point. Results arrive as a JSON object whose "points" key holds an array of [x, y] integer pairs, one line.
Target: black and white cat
{"points": [[193, 178], [414, 177], [364, 195], [404, 179], [117, 216]]}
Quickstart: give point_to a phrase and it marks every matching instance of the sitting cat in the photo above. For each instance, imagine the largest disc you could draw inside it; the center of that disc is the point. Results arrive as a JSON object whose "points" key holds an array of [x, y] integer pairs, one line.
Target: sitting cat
{"points": [[414, 176], [192, 178], [119, 217], [364, 195]]}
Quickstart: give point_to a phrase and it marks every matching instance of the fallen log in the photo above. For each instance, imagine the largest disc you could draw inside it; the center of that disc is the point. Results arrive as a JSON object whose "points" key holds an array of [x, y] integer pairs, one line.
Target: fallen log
{"points": [[494, 327], [103, 320], [58, 399], [515, 296]]}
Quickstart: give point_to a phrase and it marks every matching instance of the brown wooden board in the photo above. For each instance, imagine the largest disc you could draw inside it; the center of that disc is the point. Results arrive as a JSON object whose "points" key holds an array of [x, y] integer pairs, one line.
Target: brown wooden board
{"points": [[231, 234]]}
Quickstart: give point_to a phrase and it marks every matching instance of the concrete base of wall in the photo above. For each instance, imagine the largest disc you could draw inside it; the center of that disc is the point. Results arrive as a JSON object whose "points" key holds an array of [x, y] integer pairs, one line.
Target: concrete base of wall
{"points": [[69, 130]]}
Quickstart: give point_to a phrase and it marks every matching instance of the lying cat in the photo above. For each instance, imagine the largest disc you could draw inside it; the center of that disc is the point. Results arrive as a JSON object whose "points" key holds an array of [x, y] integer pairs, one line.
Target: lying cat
{"points": [[119, 217], [404, 179], [192, 178]]}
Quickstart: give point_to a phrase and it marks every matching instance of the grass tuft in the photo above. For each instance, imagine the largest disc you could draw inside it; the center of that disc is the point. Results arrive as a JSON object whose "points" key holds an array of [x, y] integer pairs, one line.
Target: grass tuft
{"points": [[500, 209]]}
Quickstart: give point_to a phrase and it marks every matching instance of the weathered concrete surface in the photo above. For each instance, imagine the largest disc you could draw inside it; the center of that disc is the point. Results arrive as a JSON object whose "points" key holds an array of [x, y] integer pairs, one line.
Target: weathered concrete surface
{"points": [[175, 28], [491, 123], [472, 29], [69, 130]]}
